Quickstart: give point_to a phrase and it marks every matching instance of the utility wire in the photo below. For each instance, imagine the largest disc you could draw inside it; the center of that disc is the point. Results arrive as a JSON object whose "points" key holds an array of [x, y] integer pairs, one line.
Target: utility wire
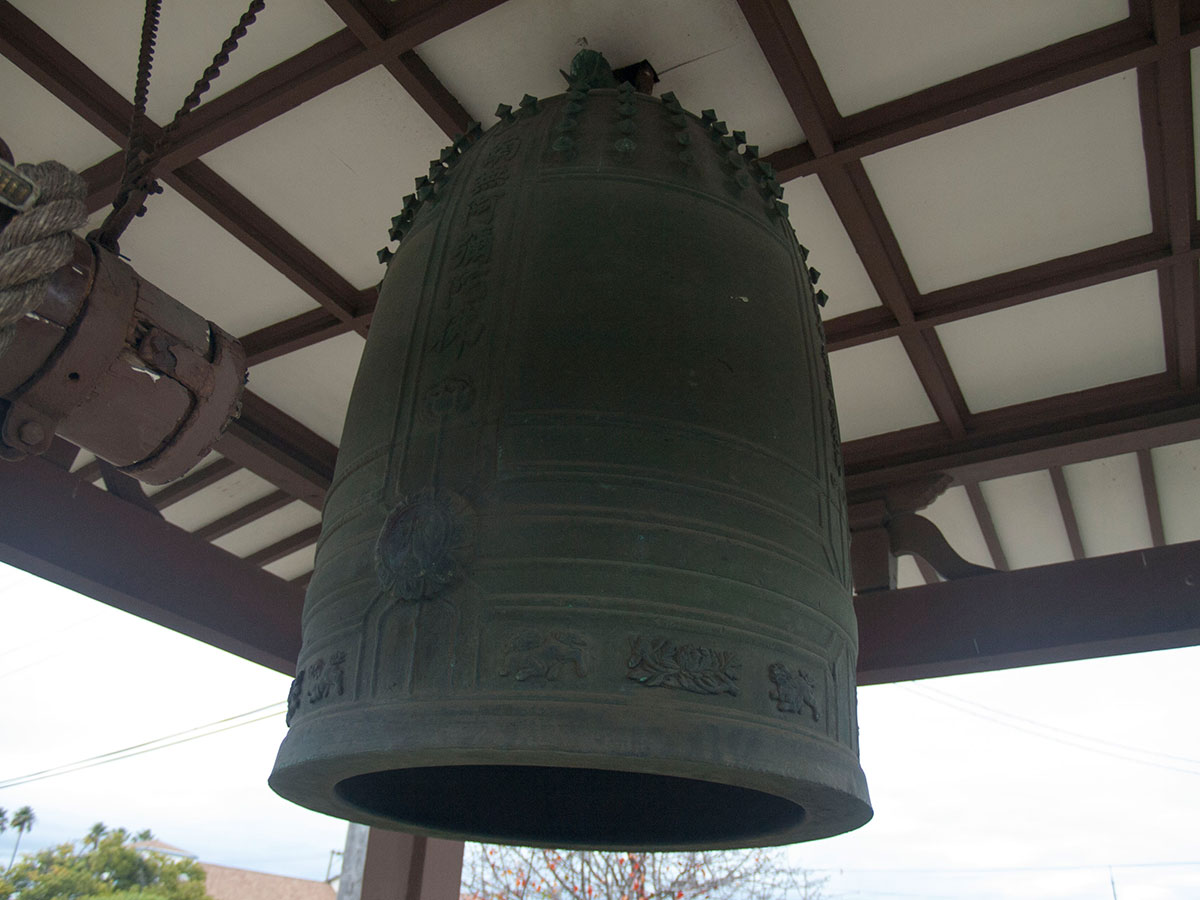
{"points": [[170, 740], [1048, 737], [924, 688], [1078, 867]]}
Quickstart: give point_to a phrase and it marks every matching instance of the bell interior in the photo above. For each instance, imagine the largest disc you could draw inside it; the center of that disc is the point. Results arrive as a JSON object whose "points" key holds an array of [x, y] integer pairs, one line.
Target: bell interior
{"points": [[570, 806]]}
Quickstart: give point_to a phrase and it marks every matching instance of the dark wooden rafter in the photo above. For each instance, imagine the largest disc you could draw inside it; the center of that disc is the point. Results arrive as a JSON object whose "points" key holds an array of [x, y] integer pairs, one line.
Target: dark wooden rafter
{"points": [[56, 69], [285, 546], [927, 571], [1045, 279], [279, 449], [91, 541], [214, 196], [303, 330], [405, 66], [778, 34], [193, 483], [987, 525], [1150, 494], [1165, 99], [1105, 421], [325, 65], [128, 489], [1067, 509], [1126, 603], [247, 514], [1034, 76], [88, 472]]}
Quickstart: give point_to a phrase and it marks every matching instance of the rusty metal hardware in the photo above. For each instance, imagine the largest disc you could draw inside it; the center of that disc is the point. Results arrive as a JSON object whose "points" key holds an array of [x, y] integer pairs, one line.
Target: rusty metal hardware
{"points": [[116, 366]]}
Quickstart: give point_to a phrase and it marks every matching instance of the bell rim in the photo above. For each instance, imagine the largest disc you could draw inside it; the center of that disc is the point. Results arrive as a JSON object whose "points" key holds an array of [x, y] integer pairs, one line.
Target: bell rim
{"points": [[834, 799]]}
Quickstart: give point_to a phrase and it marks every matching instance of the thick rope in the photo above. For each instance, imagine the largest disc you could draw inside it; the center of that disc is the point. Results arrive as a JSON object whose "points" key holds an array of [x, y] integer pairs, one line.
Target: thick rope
{"points": [[37, 242]]}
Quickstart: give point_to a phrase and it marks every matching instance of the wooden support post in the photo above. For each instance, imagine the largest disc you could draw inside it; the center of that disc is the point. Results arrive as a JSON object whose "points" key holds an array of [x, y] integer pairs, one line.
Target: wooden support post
{"points": [[394, 865]]}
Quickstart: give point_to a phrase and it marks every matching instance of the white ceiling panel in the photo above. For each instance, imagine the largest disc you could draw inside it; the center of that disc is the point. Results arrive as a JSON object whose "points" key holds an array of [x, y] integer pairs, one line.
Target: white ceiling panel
{"points": [[1028, 522], [907, 573], [37, 127], [877, 390], [334, 171], [312, 385], [294, 564], [230, 493], [703, 50], [185, 253], [105, 35], [82, 458], [1109, 505], [1177, 472], [1053, 177], [818, 227], [1097, 335], [955, 519], [273, 527], [871, 52], [211, 457]]}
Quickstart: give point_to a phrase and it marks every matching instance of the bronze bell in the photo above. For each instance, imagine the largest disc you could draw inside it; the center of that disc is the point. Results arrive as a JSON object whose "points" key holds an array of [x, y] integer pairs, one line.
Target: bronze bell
{"points": [[583, 574]]}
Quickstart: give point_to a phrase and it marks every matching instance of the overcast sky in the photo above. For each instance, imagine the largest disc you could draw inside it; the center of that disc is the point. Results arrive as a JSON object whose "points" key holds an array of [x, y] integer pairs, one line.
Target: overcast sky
{"points": [[1025, 783]]}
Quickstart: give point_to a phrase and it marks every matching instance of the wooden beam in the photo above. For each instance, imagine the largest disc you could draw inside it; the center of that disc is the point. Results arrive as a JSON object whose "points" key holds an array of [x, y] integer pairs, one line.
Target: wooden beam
{"points": [[217, 198], [853, 197], [89, 472], [1150, 494], [1059, 67], [1127, 603], [928, 573], [405, 66], [1105, 421], [787, 52], [328, 63], [304, 330], [1165, 99], [287, 545], [858, 207], [1067, 511], [194, 482], [276, 447], [987, 526], [86, 93], [49, 64], [392, 865], [90, 541], [243, 516]]}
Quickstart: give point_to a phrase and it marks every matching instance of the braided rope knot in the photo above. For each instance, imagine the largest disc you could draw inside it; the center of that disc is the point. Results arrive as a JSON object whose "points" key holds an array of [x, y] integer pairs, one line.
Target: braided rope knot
{"points": [[37, 242]]}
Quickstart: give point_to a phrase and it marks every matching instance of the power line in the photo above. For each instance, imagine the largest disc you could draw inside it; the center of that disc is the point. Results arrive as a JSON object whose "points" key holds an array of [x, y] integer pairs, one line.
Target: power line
{"points": [[1078, 867], [1086, 737], [161, 743], [1048, 737]]}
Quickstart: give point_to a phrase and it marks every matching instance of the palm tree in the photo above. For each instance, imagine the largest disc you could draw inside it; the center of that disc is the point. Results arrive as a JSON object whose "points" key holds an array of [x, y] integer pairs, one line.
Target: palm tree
{"points": [[95, 833], [22, 820]]}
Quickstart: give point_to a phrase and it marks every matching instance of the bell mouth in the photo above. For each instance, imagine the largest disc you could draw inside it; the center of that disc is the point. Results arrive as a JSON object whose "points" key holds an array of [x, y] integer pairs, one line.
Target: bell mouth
{"points": [[568, 807]]}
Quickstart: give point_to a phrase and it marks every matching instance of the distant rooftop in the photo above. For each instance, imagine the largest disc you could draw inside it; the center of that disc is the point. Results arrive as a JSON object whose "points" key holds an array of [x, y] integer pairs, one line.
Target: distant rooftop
{"points": [[226, 883]]}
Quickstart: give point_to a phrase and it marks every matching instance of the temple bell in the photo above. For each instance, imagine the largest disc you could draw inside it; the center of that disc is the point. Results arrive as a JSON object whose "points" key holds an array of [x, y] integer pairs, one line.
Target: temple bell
{"points": [[583, 575]]}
